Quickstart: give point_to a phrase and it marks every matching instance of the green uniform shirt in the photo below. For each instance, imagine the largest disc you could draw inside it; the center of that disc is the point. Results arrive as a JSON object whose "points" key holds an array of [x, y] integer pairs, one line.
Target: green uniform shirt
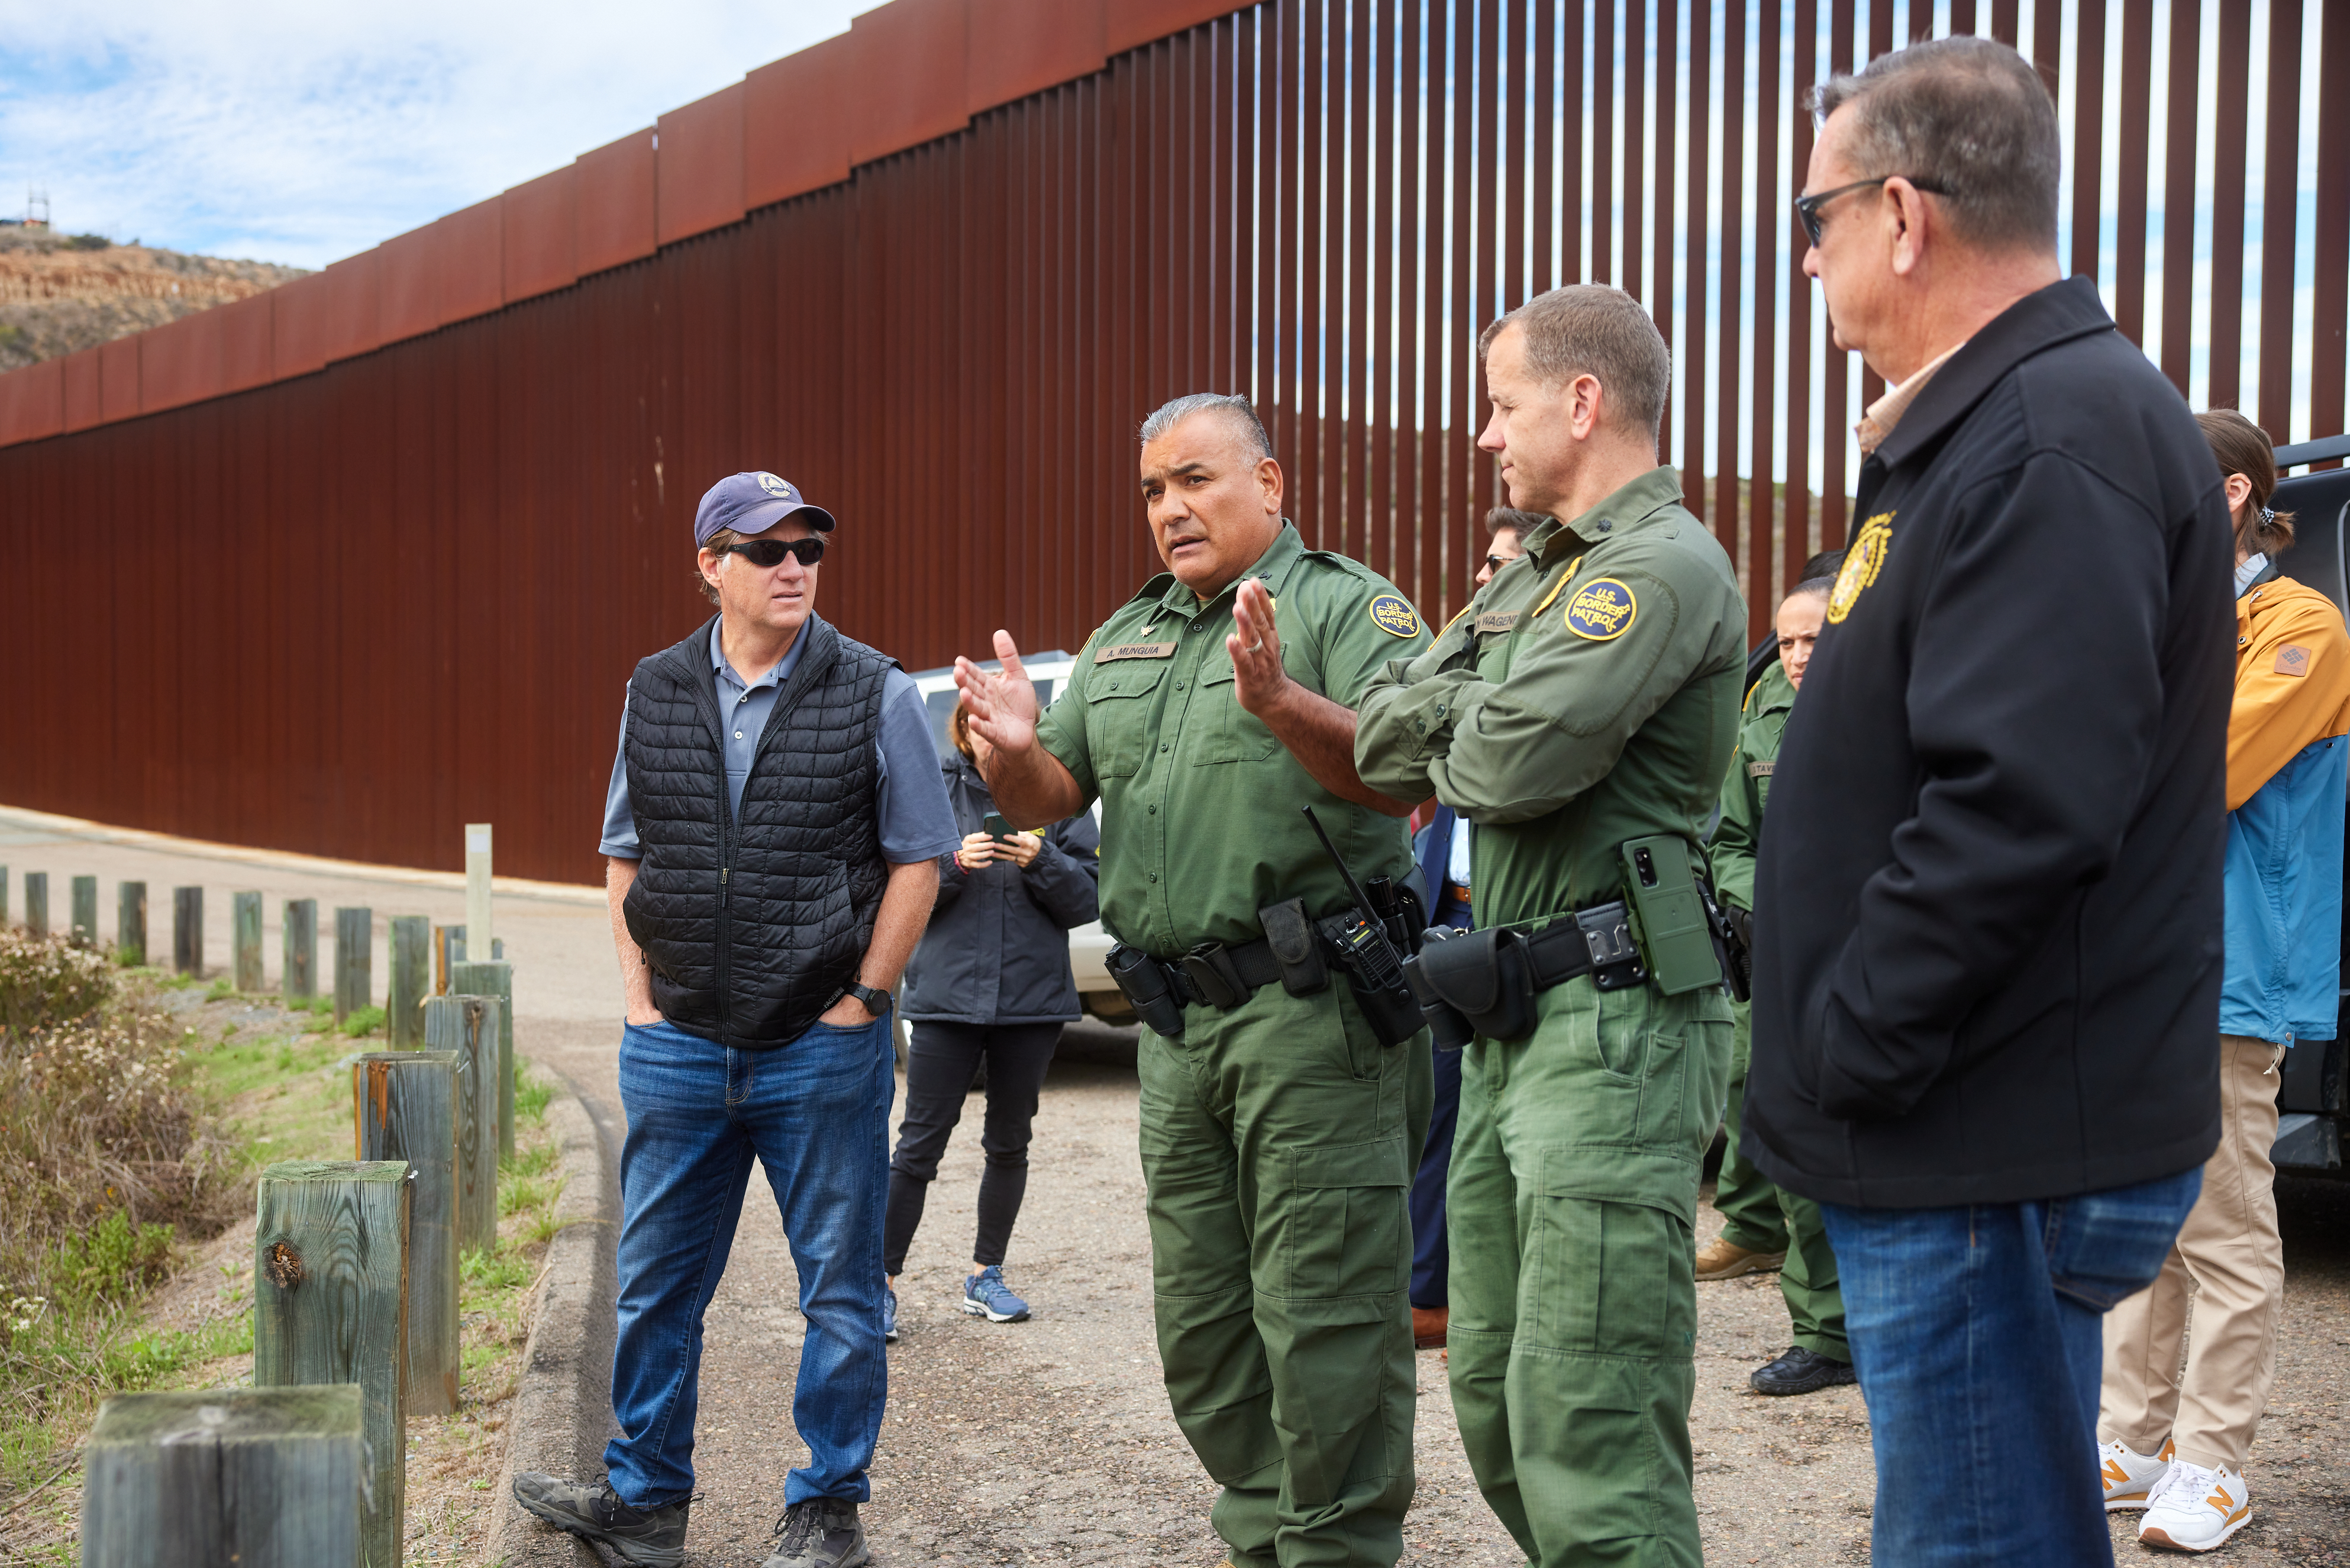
{"points": [[1201, 820], [1748, 786], [1588, 695]]}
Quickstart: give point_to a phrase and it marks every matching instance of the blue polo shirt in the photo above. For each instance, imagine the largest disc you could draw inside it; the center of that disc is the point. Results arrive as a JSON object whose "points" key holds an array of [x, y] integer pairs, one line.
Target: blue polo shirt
{"points": [[912, 800]]}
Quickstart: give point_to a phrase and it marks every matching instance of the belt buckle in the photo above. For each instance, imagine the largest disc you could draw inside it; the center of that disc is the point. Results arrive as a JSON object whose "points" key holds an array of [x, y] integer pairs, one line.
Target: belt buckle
{"points": [[1213, 975], [1615, 958]]}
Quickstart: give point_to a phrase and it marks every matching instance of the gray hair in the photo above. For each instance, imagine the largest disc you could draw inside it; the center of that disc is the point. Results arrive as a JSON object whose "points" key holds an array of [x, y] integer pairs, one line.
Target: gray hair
{"points": [[1969, 115], [1233, 408], [1588, 328]]}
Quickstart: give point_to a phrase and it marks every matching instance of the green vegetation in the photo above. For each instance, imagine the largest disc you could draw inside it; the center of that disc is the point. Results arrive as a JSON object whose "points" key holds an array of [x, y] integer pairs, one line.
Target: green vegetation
{"points": [[104, 1160], [126, 1138], [363, 1023], [90, 243]]}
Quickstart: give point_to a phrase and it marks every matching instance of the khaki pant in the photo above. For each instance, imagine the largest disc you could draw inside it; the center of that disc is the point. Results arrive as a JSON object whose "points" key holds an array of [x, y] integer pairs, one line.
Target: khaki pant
{"points": [[2229, 1259]]}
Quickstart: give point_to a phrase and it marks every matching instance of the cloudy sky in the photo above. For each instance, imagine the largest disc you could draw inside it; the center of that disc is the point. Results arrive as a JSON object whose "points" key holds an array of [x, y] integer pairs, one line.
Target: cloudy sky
{"points": [[302, 132]]}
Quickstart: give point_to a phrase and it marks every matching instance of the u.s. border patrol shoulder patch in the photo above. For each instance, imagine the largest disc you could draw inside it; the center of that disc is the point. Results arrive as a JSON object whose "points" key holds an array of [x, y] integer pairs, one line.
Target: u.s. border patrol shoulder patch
{"points": [[1602, 609], [1391, 614]]}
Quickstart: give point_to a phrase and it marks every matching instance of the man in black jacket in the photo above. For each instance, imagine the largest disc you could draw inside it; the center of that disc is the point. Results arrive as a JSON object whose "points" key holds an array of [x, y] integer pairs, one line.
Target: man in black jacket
{"points": [[770, 836], [1987, 910]]}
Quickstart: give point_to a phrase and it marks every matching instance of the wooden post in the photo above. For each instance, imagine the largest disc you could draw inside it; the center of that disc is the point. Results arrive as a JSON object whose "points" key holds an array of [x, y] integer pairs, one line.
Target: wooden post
{"points": [[330, 1305], [300, 980], [411, 935], [36, 902], [469, 1026], [477, 888], [4, 896], [404, 1106], [262, 1477], [246, 917], [83, 932], [354, 957], [495, 980], [188, 930], [497, 949], [131, 924], [448, 951]]}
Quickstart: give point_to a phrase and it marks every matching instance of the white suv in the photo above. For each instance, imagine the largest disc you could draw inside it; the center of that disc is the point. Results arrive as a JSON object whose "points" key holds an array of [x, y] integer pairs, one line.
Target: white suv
{"points": [[1088, 944]]}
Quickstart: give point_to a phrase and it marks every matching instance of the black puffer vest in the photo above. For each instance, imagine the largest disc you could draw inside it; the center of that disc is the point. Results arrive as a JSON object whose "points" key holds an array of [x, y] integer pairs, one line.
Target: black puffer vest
{"points": [[750, 927]]}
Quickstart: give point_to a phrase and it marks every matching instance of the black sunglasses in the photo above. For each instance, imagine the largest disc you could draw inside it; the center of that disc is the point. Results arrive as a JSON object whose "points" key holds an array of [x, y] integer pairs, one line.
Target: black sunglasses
{"points": [[1807, 208], [771, 552]]}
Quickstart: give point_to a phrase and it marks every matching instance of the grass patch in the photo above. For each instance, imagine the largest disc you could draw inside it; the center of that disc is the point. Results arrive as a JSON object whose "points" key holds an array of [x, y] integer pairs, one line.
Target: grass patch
{"points": [[125, 1139], [363, 1023]]}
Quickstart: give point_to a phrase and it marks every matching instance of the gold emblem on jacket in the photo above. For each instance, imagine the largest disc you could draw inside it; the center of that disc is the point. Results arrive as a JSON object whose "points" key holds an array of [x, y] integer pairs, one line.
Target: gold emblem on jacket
{"points": [[1862, 562]]}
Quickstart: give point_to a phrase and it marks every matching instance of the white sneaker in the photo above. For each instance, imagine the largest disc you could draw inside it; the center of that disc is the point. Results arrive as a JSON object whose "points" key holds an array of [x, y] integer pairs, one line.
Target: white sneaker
{"points": [[2129, 1476], [2195, 1510]]}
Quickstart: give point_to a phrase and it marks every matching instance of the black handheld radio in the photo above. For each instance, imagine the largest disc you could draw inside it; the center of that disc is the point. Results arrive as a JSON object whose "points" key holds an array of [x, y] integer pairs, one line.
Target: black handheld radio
{"points": [[1359, 944]]}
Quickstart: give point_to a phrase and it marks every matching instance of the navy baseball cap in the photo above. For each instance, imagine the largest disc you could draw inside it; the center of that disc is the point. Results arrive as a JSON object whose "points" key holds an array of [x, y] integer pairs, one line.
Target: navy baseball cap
{"points": [[753, 503]]}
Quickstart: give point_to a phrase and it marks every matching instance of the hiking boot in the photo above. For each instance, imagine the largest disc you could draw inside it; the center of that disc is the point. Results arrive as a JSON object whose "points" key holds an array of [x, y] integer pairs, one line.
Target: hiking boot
{"points": [[1723, 1258], [1802, 1371], [2195, 1510], [652, 1538], [888, 1317], [821, 1532], [1429, 1325], [984, 1294], [2131, 1477]]}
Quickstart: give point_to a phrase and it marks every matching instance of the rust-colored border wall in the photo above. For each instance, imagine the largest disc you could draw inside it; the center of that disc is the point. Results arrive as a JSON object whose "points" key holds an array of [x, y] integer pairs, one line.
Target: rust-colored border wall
{"points": [[405, 579]]}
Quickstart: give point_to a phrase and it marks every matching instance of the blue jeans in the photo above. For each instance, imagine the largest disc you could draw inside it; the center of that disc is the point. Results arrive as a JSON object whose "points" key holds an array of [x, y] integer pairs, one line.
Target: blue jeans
{"points": [[816, 1113], [1975, 1331]]}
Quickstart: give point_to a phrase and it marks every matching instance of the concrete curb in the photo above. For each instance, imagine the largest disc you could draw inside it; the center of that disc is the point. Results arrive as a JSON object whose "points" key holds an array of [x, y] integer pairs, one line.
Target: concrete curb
{"points": [[562, 1400]]}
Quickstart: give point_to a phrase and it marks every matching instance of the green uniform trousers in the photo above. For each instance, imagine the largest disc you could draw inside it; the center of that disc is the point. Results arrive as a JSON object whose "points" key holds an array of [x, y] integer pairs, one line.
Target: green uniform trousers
{"points": [[1767, 1219], [1743, 1195], [1278, 1143], [1571, 1211]]}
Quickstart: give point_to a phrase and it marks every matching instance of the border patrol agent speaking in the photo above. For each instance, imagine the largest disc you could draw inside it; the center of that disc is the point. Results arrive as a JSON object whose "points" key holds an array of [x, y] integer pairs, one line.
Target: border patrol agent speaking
{"points": [[1580, 712], [1286, 1073]]}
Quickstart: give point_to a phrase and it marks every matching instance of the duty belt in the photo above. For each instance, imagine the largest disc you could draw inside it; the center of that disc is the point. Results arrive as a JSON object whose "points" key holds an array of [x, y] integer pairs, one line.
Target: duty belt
{"points": [[1596, 942], [1220, 975]]}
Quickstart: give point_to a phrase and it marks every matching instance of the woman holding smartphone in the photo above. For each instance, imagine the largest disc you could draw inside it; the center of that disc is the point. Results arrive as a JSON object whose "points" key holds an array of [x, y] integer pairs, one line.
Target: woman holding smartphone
{"points": [[990, 985]]}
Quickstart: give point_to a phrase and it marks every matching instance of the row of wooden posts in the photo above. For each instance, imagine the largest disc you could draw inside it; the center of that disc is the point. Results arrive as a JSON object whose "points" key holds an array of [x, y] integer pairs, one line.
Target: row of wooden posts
{"points": [[427, 960], [356, 1271], [355, 1329]]}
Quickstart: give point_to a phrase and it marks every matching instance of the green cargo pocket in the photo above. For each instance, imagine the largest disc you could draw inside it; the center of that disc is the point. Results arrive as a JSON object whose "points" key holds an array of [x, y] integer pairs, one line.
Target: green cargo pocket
{"points": [[1119, 728], [1609, 1277], [1345, 1232], [1239, 736]]}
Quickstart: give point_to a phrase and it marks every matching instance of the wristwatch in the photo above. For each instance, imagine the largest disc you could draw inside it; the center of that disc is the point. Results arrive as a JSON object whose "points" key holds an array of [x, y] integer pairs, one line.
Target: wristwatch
{"points": [[876, 1001]]}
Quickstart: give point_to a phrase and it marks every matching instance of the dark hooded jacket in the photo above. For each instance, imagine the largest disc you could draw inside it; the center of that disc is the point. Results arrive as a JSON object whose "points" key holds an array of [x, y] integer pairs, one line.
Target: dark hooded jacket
{"points": [[997, 949], [1988, 913]]}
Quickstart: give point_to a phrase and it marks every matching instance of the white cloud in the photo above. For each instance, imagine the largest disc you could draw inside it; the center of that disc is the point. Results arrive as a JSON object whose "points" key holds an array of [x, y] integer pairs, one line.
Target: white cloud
{"points": [[300, 133]]}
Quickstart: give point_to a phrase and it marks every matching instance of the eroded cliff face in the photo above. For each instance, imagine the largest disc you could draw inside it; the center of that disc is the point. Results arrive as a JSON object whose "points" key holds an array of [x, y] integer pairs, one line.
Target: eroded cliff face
{"points": [[57, 296]]}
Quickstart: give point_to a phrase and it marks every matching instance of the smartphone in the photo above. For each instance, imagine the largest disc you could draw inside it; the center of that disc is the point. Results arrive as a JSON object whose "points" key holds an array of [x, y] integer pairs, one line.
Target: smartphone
{"points": [[1670, 913], [998, 829]]}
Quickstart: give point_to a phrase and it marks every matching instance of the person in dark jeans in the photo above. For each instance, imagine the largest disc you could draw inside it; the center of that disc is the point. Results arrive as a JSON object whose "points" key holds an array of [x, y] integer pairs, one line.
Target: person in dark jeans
{"points": [[1987, 902], [771, 834], [990, 983]]}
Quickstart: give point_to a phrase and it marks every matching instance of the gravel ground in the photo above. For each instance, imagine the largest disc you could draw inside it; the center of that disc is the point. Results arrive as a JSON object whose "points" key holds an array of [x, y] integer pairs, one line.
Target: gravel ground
{"points": [[1049, 1441]]}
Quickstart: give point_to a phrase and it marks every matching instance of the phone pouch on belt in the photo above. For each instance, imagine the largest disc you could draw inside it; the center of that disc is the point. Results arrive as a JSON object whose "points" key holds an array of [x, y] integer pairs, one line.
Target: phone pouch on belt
{"points": [[1483, 975], [1290, 934]]}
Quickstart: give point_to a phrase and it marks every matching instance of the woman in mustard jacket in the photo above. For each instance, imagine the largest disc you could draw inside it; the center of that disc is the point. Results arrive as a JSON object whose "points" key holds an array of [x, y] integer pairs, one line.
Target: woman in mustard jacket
{"points": [[2175, 1446]]}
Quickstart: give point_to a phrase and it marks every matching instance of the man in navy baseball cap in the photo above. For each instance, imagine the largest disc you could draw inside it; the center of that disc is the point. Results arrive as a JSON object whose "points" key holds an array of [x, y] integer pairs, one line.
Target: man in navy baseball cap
{"points": [[752, 503]]}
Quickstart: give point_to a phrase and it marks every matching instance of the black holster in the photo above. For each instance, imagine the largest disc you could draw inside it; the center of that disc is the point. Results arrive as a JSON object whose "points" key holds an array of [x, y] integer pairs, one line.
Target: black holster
{"points": [[1144, 984], [1480, 978]]}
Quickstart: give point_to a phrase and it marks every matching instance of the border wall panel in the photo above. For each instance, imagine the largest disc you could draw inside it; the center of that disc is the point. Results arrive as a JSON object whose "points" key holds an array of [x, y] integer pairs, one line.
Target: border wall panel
{"points": [[949, 342]]}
